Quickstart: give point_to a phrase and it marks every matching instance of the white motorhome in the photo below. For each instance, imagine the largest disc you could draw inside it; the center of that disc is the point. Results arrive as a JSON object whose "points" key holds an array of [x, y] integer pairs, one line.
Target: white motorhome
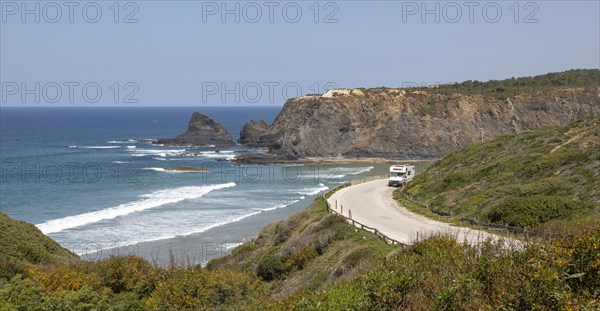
{"points": [[400, 175]]}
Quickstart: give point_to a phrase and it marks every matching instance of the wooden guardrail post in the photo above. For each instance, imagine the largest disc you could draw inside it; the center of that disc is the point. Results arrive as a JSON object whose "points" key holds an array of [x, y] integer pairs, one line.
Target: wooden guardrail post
{"points": [[377, 233]]}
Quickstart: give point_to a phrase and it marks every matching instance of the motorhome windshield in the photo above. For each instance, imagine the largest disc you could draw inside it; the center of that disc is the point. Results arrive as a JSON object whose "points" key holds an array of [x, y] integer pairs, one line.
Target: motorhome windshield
{"points": [[394, 174]]}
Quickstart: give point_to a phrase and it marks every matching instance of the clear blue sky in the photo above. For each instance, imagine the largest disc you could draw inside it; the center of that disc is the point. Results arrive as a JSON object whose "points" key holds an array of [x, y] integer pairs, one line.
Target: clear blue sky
{"points": [[179, 53]]}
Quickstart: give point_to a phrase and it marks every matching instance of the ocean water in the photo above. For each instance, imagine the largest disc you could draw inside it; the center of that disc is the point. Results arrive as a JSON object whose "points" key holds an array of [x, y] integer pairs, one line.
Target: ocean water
{"points": [[90, 178]]}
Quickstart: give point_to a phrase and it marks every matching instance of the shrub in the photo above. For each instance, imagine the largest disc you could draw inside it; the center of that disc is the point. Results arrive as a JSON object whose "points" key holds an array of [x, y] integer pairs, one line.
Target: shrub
{"points": [[200, 289], [301, 258], [270, 268], [10, 267], [534, 210], [128, 273], [85, 299], [58, 278], [21, 294]]}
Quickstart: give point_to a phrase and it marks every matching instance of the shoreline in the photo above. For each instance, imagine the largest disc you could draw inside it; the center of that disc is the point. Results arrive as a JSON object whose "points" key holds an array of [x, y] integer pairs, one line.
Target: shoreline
{"points": [[201, 247], [272, 158]]}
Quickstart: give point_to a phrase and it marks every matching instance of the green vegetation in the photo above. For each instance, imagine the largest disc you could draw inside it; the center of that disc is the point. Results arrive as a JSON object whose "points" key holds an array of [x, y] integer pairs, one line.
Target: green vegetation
{"points": [[547, 177], [22, 243], [317, 261], [440, 274], [502, 89], [309, 251]]}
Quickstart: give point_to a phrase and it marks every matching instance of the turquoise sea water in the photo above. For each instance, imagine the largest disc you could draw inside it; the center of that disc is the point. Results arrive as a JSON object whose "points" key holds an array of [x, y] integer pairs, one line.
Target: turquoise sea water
{"points": [[90, 179]]}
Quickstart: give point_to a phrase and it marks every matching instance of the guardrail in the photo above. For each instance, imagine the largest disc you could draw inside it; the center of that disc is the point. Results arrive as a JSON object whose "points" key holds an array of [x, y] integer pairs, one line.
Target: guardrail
{"points": [[348, 218], [473, 222], [367, 179], [428, 206], [497, 227]]}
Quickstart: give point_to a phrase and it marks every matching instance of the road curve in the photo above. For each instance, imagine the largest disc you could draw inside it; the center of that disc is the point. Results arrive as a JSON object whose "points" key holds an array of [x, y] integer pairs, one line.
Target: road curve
{"points": [[371, 204]]}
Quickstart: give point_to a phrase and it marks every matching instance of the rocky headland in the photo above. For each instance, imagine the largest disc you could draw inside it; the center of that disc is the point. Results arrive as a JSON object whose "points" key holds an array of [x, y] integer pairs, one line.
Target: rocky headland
{"points": [[420, 123], [251, 133], [201, 131]]}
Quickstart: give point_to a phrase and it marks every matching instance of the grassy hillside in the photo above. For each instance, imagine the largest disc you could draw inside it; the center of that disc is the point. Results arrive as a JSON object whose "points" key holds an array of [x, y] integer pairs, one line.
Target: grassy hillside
{"points": [[527, 179], [317, 261], [23, 243], [441, 274], [309, 251]]}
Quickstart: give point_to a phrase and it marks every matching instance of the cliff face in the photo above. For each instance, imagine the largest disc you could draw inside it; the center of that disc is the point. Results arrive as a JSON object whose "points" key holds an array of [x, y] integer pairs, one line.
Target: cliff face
{"points": [[202, 131], [404, 123], [251, 132]]}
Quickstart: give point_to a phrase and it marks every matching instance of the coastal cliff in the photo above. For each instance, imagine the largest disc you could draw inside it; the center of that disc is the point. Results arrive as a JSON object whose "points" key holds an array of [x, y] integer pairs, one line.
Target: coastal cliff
{"points": [[202, 131], [427, 122], [251, 133]]}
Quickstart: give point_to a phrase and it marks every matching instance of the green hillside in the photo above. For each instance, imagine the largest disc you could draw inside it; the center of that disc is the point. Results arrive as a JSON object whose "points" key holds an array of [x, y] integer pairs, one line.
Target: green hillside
{"points": [[309, 251], [317, 261], [23, 243], [523, 180], [502, 89]]}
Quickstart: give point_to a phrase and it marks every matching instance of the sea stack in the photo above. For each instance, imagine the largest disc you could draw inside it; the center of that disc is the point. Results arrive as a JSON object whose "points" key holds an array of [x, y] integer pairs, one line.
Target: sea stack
{"points": [[202, 131]]}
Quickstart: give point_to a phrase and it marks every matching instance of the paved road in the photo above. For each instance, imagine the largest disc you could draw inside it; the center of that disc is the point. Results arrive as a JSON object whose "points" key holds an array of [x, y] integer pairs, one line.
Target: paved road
{"points": [[371, 203]]}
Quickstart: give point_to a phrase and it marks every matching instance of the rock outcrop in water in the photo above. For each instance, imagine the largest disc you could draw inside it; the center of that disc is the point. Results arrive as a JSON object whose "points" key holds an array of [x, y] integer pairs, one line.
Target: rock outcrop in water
{"points": [[202, 131], [419, 123], [251, 133]]}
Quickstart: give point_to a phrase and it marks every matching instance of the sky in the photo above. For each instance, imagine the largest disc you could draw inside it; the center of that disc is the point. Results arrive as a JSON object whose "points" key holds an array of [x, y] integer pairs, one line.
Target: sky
{"points": [[260, 53]]}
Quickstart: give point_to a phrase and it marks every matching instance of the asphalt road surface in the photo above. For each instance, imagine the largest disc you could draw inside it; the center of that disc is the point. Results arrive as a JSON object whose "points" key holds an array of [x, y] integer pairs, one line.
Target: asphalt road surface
{"points": [[371, 204]]}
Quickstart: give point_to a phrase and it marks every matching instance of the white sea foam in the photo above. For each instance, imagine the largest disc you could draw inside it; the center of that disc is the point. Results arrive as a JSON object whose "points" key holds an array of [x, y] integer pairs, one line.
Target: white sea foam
{"points": [[156, 152], [266, 209], [227, 154], [146, 201], [345, 171], [230, 246], [160, 169], [100, 147], [364, 170], [120, 162], [72, 146], [226, 221], [157, 169], [312, 191]]}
